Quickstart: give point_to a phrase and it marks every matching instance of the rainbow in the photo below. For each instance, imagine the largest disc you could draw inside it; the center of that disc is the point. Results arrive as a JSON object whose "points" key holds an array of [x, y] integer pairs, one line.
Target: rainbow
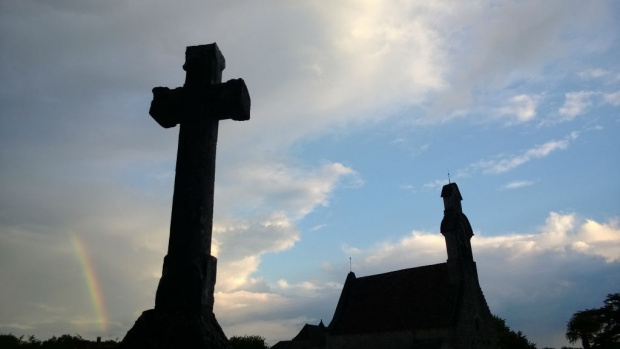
{"points": [[93, 283]]}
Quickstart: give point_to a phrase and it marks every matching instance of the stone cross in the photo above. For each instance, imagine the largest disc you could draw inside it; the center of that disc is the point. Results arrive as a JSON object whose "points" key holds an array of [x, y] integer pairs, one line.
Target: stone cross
{"points": [[188, 276]]}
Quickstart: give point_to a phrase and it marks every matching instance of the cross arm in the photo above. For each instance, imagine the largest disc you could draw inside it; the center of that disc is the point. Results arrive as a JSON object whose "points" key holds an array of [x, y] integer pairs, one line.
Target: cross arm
{"points": [[230, 100], [166, 105]]}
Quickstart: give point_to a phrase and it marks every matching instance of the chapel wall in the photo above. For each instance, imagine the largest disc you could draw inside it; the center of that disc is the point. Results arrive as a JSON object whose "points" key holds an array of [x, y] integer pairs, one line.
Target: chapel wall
{"points": [[386, 340]]}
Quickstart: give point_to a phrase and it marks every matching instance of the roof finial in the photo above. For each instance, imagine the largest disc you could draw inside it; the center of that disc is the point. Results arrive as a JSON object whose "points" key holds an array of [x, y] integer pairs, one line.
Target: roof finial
{"points": [[350, 265], [449, 176]]}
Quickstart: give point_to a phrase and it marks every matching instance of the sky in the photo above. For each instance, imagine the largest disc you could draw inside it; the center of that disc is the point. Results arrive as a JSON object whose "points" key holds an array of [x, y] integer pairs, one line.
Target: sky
{"points": [[360, 112]]}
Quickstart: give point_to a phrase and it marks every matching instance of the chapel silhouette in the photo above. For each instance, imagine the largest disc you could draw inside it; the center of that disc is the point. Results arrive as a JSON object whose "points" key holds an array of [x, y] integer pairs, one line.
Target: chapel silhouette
{"points": [[432, 306]]}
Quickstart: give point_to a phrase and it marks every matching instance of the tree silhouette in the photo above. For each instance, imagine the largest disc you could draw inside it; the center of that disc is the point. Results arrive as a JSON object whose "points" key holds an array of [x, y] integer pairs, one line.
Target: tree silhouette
{"points": [[9, 341], [584, 325], [597, 328], [66, 341], [509, 339], [248, 342]]}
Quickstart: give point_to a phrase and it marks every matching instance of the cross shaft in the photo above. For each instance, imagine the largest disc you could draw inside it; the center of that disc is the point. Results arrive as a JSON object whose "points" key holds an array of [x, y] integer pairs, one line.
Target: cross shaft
{"points": [[188, 276]]}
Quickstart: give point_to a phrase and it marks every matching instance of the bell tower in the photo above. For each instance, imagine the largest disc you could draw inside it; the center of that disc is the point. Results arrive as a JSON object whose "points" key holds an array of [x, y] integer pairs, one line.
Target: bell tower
{"points": [[457, 231]]}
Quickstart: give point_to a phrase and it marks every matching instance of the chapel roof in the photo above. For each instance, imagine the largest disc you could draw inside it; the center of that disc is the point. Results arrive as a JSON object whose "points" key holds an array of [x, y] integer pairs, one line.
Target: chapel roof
{"points": [[312, 333], [408, 299], [451, 189]]}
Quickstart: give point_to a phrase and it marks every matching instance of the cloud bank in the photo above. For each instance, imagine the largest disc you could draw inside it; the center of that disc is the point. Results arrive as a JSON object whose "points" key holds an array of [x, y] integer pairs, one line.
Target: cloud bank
{"points": [[514, 269]]}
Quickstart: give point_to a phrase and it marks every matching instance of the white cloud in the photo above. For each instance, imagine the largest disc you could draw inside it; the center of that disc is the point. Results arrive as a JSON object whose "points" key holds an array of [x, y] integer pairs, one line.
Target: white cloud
{"points": [[265, 187], [350, 250], [240, 245], [506, 43], [260, 205], [277, 315], [408, 187], [560, 234], [307, 288], [612, 98], [426, 246], [350, 60], [522, 108], [600, 239], [575, 104], [593, 73], [517, 184], [507, 163], [318, 227], [231, 302], [435, 184]]}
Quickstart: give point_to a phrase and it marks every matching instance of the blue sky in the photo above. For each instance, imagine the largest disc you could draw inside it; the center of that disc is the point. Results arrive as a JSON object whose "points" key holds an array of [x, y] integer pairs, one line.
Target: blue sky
{"points": [[359, 111]]}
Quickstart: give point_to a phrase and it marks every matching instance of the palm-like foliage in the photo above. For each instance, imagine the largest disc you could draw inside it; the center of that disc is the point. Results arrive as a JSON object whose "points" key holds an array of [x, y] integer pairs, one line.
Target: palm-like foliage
{"points": [[584, 325], [597, 328]]}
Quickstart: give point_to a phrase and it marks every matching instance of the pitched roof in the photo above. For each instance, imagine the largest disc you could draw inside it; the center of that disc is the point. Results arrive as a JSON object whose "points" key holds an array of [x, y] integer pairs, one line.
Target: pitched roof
{"points": [[451, 189], [312, 333], [282, 345], [408, 299]]}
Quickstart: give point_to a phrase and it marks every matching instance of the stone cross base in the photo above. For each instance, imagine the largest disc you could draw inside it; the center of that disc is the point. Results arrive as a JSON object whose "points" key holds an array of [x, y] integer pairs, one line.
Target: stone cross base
{"points": [[168, 329], [187, 283], [183, 315]]}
